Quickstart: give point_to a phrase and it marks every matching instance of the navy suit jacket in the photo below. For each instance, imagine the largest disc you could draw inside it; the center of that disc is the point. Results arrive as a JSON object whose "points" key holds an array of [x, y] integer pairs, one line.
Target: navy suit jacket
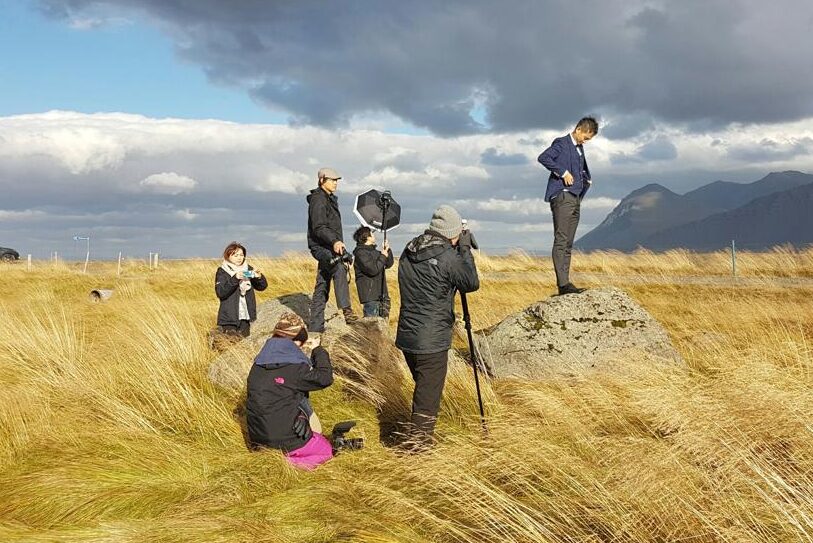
{"points": [[562, 156]]}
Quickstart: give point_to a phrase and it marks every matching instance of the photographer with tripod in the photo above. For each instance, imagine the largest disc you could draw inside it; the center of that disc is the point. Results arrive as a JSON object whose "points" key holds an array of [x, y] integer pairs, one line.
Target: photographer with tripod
{"points": [[326, 244], [431, 269]]}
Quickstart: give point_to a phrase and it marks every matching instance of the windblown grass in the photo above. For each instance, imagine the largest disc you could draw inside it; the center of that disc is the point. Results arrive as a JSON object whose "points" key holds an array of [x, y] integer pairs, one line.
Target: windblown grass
{"points": [[110, 431]]}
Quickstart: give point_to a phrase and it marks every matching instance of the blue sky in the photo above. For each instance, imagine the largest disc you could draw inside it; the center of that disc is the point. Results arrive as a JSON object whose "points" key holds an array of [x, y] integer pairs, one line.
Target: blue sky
{"points": [[125, 66]]}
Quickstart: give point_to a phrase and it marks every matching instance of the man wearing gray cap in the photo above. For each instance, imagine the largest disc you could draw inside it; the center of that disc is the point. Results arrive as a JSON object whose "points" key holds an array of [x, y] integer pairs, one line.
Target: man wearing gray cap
{"points": [[326, 244], [432, 267]]}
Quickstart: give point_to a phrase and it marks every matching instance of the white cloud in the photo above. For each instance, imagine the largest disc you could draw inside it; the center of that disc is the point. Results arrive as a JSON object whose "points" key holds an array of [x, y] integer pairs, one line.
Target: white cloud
{"points": [[532, 227], [527, 206], [185, 214], [439, 175], [168, 183], [78, 149], [414, 228], [93, 23], [601, 202], [648, 200], [6, 215], [86, 23], [298, 237], [286, 181], [533, 206]]}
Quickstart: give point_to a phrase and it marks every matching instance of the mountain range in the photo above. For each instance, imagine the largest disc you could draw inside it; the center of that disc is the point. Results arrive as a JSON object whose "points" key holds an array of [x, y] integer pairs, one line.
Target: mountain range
{"points": [[772, 211]]}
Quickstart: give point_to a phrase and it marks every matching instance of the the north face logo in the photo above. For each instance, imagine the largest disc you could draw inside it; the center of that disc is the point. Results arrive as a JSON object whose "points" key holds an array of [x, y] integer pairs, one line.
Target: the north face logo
{"points": [[433, 261], [279, 380]]}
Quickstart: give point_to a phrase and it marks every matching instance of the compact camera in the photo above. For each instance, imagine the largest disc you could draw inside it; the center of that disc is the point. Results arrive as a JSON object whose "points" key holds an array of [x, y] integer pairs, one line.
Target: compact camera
{"points": [[249, 274]]}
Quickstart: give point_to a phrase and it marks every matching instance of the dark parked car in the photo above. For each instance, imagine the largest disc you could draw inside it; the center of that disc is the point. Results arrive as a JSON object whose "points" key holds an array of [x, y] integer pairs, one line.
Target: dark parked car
{"points": [[8, 255]]}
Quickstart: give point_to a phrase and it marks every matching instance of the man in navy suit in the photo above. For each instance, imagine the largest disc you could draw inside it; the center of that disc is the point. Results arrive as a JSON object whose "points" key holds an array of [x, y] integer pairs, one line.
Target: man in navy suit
{"points": [[568, 183]]}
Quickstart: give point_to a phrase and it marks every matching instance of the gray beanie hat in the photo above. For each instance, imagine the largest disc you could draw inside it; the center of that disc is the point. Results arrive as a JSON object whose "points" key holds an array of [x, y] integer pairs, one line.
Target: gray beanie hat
{"points": [[446, 222]]}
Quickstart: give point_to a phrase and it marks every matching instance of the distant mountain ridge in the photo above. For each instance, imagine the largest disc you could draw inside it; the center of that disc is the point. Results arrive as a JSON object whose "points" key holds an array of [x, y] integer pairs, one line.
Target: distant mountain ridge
{"points": [[709, 217], [776, 219]]}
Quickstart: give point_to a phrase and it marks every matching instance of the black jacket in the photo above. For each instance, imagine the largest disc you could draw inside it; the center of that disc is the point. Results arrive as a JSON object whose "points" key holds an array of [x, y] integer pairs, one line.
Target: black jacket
{"points": [[324, 222], [226, 288], [369, 265], [279, 379], [429, 272]]}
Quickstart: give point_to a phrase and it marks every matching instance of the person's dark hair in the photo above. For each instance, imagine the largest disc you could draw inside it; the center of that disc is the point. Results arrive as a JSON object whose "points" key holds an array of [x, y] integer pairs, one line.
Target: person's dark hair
{"points": [[589, 124], [361, 234], [232, 248], [302, 336]]}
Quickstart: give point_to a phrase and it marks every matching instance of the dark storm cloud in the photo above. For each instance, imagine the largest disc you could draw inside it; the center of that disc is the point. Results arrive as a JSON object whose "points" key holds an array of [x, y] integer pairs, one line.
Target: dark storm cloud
{"points": [[769, 150], [627, 126], [658, 149], [527, 64], [492, 157]]}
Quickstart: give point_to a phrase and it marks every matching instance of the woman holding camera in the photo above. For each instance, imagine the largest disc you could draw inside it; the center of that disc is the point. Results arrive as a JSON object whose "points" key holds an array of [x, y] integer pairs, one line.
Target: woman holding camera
{"points": [[235, 282]]}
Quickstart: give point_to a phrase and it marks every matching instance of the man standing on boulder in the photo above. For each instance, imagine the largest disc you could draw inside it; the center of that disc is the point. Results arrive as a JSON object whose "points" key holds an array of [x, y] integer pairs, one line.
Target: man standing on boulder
{"points": [[326, 244], [568, 183], [432, 267]]}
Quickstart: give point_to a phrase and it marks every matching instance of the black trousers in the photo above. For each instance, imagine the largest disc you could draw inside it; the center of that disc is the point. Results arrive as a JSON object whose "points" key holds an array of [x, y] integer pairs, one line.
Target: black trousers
{"points": [[429, 373], [565, 208], [377, 308], [321, 291], [243, 329]]}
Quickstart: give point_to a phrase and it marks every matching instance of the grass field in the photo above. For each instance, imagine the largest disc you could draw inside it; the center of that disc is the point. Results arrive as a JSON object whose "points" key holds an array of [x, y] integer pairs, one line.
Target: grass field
{"points": [[110, 430]]}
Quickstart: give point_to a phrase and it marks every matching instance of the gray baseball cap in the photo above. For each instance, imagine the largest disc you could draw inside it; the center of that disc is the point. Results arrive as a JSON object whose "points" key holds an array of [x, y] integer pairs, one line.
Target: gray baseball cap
{"points": [[327, 173]]}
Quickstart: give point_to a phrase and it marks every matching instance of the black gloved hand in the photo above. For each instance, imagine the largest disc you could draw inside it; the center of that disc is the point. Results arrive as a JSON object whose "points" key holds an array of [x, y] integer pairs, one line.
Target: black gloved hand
{"points": [[302, 426], [305, 406]]}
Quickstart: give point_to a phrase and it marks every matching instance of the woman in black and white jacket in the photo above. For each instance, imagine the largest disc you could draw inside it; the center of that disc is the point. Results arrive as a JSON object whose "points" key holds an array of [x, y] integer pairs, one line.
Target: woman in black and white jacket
{"points": [[235, 282]]}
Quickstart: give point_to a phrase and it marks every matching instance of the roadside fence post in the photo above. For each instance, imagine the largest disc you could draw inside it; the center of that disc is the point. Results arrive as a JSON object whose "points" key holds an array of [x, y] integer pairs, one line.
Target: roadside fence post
{"points": [[733, 259]]}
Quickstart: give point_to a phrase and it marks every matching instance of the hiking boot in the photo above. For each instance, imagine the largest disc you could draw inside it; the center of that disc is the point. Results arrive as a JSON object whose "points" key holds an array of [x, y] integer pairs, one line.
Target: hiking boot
{"points": [[570, 288], [349, 316]]}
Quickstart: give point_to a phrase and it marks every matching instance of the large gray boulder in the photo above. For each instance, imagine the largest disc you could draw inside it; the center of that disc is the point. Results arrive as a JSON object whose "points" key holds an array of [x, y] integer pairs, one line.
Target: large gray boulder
{"points": [[573, 333]]}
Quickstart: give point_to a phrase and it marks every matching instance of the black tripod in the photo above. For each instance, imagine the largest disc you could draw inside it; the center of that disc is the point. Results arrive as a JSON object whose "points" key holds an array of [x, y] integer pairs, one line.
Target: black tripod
{"points": [[384, 203], [475, 359]]}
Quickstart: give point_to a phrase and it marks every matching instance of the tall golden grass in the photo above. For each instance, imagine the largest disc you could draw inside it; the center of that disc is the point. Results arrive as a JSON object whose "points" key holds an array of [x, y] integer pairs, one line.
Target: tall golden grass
{"points": [[110, 430]]}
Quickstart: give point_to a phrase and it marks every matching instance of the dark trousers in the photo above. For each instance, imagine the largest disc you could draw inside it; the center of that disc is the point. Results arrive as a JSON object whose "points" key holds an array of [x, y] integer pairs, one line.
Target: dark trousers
{"points": [[243, 329], [565, 207], [377, 309], [324, 275], [371, 309], [429, 373]]}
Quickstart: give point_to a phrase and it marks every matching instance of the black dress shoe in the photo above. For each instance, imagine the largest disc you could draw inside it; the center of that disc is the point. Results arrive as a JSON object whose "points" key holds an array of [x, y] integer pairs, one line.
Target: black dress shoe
{"points": [[570, 288]]}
